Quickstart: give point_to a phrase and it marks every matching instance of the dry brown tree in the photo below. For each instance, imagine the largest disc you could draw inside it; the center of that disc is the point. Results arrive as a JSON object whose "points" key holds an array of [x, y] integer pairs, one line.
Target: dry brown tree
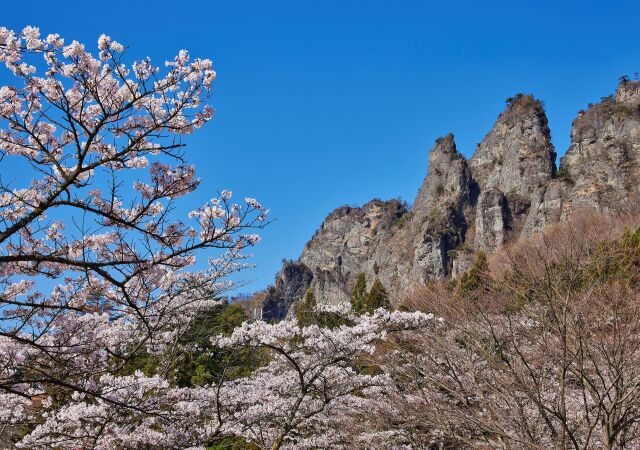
{"points": [[540, 350]]}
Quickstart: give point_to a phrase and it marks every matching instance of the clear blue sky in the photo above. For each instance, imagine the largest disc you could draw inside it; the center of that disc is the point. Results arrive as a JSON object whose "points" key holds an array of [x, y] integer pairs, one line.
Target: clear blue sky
{"points": [[326, 103]]}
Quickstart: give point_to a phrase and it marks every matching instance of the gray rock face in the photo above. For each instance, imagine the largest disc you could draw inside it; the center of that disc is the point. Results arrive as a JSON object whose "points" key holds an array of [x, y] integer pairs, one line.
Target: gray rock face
{"points": [[547, 206], [511, 164], [345, 245], [448, 179], [516, 156], [438, 222], [602, 161], [291, 283], [491, 220], [508, 189], [628, 93]]}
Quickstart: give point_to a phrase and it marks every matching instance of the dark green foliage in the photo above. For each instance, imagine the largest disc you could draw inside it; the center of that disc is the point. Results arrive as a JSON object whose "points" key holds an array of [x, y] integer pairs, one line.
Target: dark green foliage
{"points": [[143, 361], [524, 100], [474, 279], [359, 294], [363, 302], [205, 363], [377, 298], [609, 98], [210, 364], [307, 314], [435, 214], [562, 173], [306, 309]]}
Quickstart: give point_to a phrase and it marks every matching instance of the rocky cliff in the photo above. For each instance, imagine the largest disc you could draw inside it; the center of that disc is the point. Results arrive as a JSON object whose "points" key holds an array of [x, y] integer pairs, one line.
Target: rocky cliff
{"points": [[509, 188]]}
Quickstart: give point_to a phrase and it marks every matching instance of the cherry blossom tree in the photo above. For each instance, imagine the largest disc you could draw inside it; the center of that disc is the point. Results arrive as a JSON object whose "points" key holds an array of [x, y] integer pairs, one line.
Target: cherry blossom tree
{"points": [[312, 382], [96, 269], [95, 265], [299, 399]]}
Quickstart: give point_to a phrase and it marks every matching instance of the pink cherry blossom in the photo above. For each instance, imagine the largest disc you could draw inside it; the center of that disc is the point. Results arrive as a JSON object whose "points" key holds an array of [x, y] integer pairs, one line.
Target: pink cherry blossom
{"points": [[94, 263]]}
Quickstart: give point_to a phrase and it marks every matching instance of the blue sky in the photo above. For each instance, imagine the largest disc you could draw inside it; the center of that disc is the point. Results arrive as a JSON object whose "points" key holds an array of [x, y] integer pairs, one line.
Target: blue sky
{"points": [[326, 103]]}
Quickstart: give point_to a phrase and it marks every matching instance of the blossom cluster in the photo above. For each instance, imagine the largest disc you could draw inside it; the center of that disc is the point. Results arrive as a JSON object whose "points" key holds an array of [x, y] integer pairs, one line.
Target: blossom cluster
{"points": [[95, 265], [312, 379], [97, 270]]}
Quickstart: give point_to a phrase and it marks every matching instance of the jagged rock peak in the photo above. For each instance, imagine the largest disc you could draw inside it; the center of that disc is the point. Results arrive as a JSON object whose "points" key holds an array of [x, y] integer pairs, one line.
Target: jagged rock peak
{"points": [[603, 160], [628, 92], [445, 145], [447, 178], [516, 156], [507, 190], [522, 104]]}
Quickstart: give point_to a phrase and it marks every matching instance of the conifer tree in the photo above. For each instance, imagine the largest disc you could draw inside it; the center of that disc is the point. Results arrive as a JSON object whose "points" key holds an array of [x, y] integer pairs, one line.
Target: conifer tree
{"points": [[359, 294], [377, 298], [306, 313]]}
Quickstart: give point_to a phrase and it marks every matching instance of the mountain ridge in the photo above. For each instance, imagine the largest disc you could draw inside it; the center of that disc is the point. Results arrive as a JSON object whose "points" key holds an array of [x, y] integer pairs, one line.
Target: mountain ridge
{"points": [[509, 188]]}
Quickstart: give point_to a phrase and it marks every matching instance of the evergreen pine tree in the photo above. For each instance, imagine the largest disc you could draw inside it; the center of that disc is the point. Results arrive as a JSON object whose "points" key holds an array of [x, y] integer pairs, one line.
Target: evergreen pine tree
{"points": [[359, 294], [306, 309], [377, 298]]}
